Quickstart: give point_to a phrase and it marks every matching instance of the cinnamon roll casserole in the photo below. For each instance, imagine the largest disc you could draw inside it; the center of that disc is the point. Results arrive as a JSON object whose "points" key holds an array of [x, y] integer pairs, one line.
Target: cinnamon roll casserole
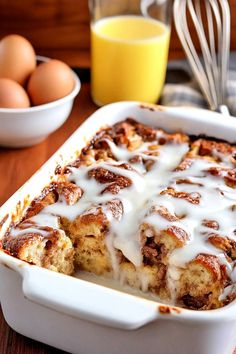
{"points": [[156, 211]]}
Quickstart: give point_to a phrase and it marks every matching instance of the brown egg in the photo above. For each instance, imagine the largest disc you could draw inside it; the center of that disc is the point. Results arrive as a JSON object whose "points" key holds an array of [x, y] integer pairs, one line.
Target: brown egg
{"points": [[17, 58], [49, 82], [12, 95]]}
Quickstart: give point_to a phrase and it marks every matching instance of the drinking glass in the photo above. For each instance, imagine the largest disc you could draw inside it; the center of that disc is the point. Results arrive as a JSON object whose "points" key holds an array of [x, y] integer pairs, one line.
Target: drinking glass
{"points": [[129, 49]]}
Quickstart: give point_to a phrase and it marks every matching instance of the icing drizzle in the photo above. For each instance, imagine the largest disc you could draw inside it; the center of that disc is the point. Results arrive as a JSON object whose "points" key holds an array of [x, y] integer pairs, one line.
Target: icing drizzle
{"points": [[198, 195]]}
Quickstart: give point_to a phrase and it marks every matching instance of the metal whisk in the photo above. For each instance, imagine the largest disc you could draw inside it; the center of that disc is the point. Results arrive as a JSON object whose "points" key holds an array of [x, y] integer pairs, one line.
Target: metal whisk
{"points": [[211, 72]]}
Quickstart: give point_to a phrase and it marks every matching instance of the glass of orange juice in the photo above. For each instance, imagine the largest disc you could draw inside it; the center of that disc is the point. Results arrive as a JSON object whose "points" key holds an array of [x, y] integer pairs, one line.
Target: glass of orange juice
{"points": [[129, 49]]}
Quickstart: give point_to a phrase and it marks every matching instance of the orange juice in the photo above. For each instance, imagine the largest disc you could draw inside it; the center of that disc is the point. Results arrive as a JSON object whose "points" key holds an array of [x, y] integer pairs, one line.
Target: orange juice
{"points": [[129, 58]]}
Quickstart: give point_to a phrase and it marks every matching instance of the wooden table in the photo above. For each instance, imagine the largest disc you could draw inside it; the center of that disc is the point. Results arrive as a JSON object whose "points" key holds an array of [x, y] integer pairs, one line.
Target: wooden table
{"points": [[16, 166]]}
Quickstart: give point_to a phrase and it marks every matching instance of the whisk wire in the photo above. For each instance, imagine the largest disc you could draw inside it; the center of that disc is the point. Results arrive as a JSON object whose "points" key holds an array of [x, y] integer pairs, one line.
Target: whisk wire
{"points": [[225, 45], [211, 72], [212, 47], [185, 38], [218, 17], [197, 21]]}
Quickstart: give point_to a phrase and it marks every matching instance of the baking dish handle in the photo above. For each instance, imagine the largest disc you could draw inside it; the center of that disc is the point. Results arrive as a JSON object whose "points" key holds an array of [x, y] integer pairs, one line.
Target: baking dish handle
{"points": [[87, 301]]}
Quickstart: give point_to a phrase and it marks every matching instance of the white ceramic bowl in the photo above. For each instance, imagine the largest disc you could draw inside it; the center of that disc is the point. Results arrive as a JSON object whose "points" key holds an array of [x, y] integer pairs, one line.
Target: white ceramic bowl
{"points": [[29, 126]]}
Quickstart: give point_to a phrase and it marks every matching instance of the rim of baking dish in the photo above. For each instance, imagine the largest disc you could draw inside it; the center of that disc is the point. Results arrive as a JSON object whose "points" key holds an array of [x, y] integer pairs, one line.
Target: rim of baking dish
{"points": [[157, 310]]}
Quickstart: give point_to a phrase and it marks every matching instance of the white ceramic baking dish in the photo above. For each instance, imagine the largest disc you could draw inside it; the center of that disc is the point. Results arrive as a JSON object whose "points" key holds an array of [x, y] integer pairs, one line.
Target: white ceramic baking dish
{"points": [[81, 317]]}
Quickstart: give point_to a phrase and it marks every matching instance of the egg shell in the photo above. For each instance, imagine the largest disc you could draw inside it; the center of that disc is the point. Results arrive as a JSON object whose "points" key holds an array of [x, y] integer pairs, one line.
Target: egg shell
{"points": [[12, 95], [49, 82], [17, 58]]}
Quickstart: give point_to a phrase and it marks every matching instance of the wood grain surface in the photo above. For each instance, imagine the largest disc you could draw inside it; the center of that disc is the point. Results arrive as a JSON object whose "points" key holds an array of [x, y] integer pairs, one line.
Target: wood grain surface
{"points": [[60, 28], [16, 166]]}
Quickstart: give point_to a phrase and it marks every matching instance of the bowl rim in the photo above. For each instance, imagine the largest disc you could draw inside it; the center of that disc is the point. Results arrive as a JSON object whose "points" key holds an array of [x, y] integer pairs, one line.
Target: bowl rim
{"points": [[52, 104]]}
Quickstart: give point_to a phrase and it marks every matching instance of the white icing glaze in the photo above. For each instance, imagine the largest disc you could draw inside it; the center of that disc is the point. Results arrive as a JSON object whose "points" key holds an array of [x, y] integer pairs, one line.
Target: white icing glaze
{"points": [[43, 219], [227, 292], [35, 230], [215, 203], [233, 274], [35, 225], [222, 157]]}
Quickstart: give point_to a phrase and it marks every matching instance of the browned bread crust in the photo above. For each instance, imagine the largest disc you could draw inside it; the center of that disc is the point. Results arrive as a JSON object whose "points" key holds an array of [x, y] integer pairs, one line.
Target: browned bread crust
{"points": [[87, 239]]}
